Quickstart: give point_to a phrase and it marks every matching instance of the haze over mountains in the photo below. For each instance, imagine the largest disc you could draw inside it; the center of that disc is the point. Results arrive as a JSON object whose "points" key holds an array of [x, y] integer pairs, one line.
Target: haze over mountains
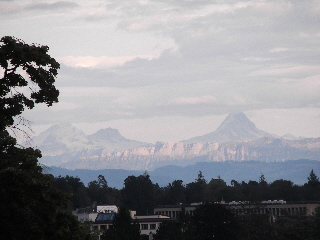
{"points": [[236, 139]]}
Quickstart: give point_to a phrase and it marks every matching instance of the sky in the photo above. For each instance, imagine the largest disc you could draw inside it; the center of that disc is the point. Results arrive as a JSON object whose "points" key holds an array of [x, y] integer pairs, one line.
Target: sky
{"points": [[170, 70]]}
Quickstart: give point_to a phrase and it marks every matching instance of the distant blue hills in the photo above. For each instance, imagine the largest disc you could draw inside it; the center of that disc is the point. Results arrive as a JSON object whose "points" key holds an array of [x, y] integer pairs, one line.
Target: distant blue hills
{"points": [[295, 170]]}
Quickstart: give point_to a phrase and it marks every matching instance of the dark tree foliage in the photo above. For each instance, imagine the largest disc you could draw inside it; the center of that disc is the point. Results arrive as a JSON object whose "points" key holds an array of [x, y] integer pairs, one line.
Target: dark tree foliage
{"points": [[138, 194], [209, 221], [312, 187], [313, 179], [176, 192], [30, 208], [316, 226], [294, 228], [169, 230], [123, 228], [255, 226], [74, 186], [282, 189], [17, 58], [100, 193], [251, 191], [217, 190], [213, 221], [263, 188], [195, 191]]}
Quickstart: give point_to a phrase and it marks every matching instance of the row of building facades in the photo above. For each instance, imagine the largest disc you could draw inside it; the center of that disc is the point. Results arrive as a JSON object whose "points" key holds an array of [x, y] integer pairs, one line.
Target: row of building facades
{"points": [[103, 216]]}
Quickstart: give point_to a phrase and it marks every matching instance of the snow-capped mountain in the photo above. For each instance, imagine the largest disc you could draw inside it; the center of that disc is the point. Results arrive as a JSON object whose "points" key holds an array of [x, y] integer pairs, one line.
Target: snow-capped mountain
{"points": [[235, 128], [66, 139], [236, 139], [110, 140], [60, 139]]}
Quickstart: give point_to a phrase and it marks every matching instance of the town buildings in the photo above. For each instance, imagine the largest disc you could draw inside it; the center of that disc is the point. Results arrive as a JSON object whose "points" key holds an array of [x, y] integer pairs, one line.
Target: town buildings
{"points": [[102, 217]]}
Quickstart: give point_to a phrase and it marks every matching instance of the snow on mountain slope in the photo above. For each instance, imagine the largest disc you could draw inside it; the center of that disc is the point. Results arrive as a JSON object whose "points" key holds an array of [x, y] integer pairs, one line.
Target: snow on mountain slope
{"points": [[59, 139], [236, 127], [236, 139], [110, 140], [66, 139], [147, 158]]}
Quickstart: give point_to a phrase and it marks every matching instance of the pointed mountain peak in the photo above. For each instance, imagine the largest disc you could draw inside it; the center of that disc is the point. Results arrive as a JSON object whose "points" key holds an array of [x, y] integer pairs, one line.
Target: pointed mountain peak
{"points": [[236, 127], [237, 119]]}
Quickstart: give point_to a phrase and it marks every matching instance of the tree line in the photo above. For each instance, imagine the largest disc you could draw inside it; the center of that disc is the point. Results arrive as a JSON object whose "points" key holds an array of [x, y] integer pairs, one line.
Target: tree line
{"points": [[141, 194]]}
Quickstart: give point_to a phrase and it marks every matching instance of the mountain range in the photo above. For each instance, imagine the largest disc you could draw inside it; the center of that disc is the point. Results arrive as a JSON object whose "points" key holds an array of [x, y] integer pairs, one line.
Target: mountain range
{"points": [[236, 139]]}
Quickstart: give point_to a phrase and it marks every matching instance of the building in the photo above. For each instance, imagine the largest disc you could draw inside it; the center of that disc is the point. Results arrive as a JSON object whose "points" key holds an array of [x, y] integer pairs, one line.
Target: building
{"points": [[91, 213], [148, 224], [274, 208]]}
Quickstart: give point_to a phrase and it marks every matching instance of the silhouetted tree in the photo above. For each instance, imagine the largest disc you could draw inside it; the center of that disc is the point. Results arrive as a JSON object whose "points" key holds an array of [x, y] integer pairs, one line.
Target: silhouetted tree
{"points": [[263, 188], [138, 194], [313, 179], [195, 191], [30, 207], [73, 186], [213, 221], [101, 193], [312, 187], [176, 192], [169, 230], [281, 189]]}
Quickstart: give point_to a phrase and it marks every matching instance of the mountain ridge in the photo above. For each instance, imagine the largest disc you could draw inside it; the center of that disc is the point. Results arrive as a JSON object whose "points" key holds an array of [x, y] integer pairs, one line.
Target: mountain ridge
{"points": [[240, 140]]}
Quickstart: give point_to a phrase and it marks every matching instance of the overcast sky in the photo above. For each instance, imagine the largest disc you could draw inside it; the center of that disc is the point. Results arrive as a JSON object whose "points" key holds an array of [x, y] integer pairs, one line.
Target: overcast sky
{"points": [[170, 70]]}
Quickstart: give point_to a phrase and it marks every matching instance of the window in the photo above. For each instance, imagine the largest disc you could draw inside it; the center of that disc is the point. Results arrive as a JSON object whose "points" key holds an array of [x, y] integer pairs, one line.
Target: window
{"points": [[144, 226], [152, 226], [103, 227]]}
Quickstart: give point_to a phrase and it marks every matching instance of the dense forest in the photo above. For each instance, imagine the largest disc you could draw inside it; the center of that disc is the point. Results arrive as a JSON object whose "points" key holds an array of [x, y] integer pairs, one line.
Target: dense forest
{"points": [[141, 194]]}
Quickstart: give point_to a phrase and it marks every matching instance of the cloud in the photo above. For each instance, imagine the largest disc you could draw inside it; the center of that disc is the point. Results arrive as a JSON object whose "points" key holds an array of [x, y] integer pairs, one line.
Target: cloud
{"points": [[279, 49], [60, 5], [7, 7], [294, 71], [194, 100], [99, 62]]}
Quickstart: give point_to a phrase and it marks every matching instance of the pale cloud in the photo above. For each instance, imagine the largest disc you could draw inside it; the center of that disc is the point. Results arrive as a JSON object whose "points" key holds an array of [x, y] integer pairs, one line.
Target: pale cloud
{"points": [[276, 50], [65, 106], [76, 92], [59, 5], [273, 7], [99, 62], [288, 70], [9, 7], [194, 100], [236, 100], [256, 59]]}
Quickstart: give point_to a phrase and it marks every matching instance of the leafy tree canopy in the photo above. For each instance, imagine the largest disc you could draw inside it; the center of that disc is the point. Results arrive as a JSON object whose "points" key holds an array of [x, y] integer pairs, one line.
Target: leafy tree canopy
{"points": [[28, 76], [29, 206]]}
